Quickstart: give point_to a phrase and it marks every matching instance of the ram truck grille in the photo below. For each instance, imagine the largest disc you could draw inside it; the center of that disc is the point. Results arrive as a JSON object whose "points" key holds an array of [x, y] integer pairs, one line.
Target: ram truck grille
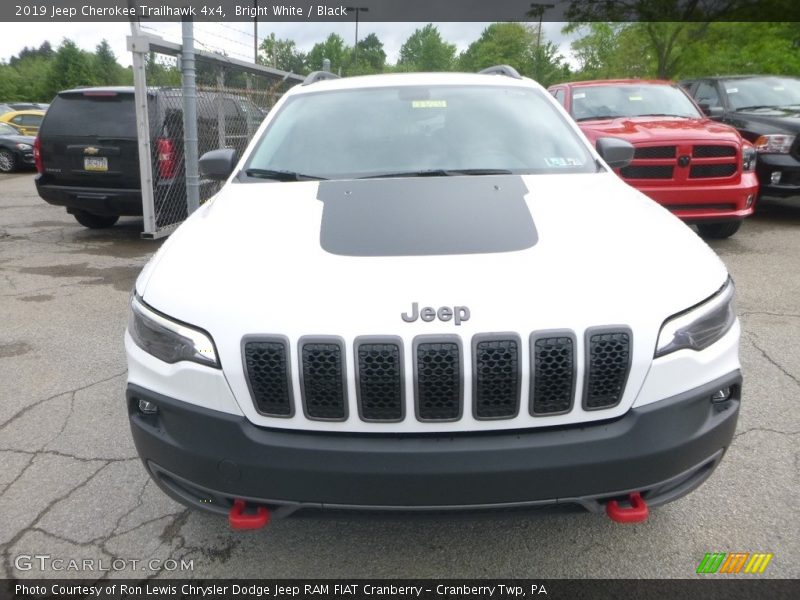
{"points": [[682, 164], [430, 387]]}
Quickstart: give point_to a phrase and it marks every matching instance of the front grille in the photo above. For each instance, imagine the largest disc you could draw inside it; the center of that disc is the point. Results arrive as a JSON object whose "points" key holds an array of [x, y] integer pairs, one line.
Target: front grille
{"points": [[647, 172], [380, 380], [609, 360], [323, 379], [655, 152], [497, 374], [499, 369], [438, 379], [267, 366], [713, 151], [704, 171], [553, 374]]}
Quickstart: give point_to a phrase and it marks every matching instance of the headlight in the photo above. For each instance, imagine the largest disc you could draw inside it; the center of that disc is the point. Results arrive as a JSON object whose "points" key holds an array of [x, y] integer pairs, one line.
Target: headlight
{"points": [[777, 143], [169, 340], [700, 326], [23, 147], [748, 158]]}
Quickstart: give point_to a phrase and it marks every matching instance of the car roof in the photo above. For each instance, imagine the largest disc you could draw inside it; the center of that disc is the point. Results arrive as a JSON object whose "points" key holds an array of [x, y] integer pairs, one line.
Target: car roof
{"points": [[411, 79], [14, 113], [726, 77], [591, 82]]}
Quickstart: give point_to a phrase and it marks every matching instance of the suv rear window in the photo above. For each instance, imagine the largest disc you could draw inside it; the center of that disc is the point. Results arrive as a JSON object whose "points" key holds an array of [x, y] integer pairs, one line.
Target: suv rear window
{"points": [[80, 115]]}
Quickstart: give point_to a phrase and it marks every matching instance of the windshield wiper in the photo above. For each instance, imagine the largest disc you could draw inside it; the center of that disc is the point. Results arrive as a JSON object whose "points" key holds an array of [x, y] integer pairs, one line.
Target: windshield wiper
{"points": [[440, 173], [598, 117], [280, 175], [755, 107], [663, 115]]}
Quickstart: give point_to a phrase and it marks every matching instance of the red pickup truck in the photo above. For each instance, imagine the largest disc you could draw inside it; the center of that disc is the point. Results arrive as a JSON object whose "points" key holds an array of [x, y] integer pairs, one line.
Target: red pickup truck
{"points": [[701, 170]]}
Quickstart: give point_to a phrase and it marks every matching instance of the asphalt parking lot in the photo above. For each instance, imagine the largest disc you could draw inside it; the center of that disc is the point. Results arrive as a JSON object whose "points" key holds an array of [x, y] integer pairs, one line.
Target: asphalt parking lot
{"points": [[72, 488]]}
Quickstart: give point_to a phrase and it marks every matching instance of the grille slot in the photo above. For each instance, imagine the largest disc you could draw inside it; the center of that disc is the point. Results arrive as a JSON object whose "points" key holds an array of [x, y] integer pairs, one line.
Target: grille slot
{"points": [[380, 379], [655, 152], [496, 376], [608, 363], [267, 365], [438, 379], [713, 151], [703, 171], [322, 378], [647, 172], [552, 373]]}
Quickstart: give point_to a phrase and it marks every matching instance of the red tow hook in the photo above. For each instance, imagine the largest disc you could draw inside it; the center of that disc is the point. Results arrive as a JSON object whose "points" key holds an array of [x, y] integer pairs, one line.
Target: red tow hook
{"points": [[239, 520], [637, 512]]}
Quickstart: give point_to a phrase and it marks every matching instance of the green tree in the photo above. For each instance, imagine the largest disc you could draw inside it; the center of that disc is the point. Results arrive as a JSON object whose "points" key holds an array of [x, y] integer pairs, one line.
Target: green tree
{"points": [[334, 49], [107, 70], [11, 85], [282, 54], [71, 67], [425, 50], [371, 57], [519, 46]]}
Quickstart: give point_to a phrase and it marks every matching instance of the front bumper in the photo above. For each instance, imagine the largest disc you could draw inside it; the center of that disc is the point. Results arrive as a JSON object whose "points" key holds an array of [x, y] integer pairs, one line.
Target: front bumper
{"points": [[206, 458], [706, 203], [789, 168]]}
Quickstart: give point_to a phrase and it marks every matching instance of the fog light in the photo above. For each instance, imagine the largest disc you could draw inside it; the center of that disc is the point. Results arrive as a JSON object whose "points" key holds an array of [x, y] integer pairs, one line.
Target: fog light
{"points": [[147, 408], [750, 199], [721, 395], [775, 178]]}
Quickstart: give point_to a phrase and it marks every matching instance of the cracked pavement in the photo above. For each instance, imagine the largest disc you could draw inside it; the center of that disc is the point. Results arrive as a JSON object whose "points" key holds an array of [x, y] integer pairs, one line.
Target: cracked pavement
{"points": [[72, 487]]}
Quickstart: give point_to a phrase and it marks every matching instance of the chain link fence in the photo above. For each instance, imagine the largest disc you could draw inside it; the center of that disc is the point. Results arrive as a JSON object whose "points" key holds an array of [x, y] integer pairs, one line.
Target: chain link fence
{"points": [[231, 99]]}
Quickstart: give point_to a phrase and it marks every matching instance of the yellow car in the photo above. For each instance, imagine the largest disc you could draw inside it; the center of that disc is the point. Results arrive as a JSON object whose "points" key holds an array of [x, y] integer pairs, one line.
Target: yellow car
{"points": [[27, 121]]}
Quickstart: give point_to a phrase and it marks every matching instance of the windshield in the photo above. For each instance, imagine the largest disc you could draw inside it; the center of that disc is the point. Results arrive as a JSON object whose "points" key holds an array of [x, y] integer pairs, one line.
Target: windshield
{"points": [[760, 92], [419, 130], [630, 100]]}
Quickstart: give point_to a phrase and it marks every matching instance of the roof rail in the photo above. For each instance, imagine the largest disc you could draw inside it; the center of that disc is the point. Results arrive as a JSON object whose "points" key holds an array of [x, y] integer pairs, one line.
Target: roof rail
{"points": [[506, 70], [319, 76]]}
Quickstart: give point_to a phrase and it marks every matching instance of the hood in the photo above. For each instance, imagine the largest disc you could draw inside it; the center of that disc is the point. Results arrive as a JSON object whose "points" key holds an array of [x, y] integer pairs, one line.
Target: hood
{"points": [[782, 118], [19, 139], [570, 251], [658, 129]]}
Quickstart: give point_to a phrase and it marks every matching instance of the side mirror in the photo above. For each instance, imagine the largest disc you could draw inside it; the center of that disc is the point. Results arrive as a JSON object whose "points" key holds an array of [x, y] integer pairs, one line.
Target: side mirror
{"points": [[711, 111], [616, 152], [218, 164]]}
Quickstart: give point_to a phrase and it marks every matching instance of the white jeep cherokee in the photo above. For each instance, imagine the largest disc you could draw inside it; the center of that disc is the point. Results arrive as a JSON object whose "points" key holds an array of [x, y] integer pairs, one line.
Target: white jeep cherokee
{"points": [[428, 291]]}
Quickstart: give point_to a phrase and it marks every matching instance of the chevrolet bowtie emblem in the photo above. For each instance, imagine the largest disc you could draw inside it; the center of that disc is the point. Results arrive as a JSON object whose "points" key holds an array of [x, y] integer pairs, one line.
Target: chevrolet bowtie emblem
{"points": [[91, 150]]}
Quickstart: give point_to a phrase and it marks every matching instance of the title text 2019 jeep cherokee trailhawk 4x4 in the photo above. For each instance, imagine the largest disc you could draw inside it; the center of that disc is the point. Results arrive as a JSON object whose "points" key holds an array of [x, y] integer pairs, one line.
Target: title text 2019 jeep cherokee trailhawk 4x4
{"points": [[423, 292]]}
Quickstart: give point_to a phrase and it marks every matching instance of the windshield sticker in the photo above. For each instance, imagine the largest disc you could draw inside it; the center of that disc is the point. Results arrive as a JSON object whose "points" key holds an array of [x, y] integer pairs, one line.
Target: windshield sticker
{"points": [[559, 161], [732, 90], [635, 98], [578, 96], [429, 104]]}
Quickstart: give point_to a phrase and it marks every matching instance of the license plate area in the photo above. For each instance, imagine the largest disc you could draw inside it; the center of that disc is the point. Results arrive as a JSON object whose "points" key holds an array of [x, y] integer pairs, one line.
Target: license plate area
{"points": [[95, 163]]}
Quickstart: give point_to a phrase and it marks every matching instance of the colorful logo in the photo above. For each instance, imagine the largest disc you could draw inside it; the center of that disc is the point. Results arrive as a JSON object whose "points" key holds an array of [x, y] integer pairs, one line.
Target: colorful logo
{"points": [[734, 562]]}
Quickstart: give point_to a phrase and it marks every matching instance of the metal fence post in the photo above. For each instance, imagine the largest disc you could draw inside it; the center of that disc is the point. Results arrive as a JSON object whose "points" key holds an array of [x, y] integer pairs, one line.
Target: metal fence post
{"points": [[190, 117], [139, 48]]}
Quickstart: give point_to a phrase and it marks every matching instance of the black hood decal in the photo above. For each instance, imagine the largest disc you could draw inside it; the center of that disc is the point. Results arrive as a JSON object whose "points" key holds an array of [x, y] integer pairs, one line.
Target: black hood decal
{"points": [[425, 216]]}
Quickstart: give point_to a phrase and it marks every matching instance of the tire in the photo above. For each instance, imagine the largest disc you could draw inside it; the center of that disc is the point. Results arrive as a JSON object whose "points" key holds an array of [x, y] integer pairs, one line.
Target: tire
{"points": [[95, 221], [8, 162], [719, 231]]}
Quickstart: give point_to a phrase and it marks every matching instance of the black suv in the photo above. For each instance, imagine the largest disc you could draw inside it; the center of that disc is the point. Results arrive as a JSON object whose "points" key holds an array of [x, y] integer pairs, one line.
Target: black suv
{"points": [[87, 152], [766, 111]]}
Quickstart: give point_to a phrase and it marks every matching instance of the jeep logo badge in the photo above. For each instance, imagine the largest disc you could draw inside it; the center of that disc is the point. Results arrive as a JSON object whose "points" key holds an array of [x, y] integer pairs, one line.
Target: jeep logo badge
{"points": [[91, 150], [458, 314], [684, 160]]}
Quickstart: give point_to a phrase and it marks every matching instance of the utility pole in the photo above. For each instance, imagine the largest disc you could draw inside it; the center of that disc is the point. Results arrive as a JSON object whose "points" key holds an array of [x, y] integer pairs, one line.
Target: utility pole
{"points": [[358, 9], [255, 32], [538, 9]]}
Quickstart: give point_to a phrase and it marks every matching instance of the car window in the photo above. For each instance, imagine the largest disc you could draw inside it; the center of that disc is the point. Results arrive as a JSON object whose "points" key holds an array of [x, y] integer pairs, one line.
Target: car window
{"points": [[83, 115], [369, 132], [31, 120], [763, 92], [630, 100], [707, 94]]}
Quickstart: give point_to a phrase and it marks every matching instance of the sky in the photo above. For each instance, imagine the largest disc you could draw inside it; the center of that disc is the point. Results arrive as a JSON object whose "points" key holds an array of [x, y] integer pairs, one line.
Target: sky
{"points": [[236, 39]]}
